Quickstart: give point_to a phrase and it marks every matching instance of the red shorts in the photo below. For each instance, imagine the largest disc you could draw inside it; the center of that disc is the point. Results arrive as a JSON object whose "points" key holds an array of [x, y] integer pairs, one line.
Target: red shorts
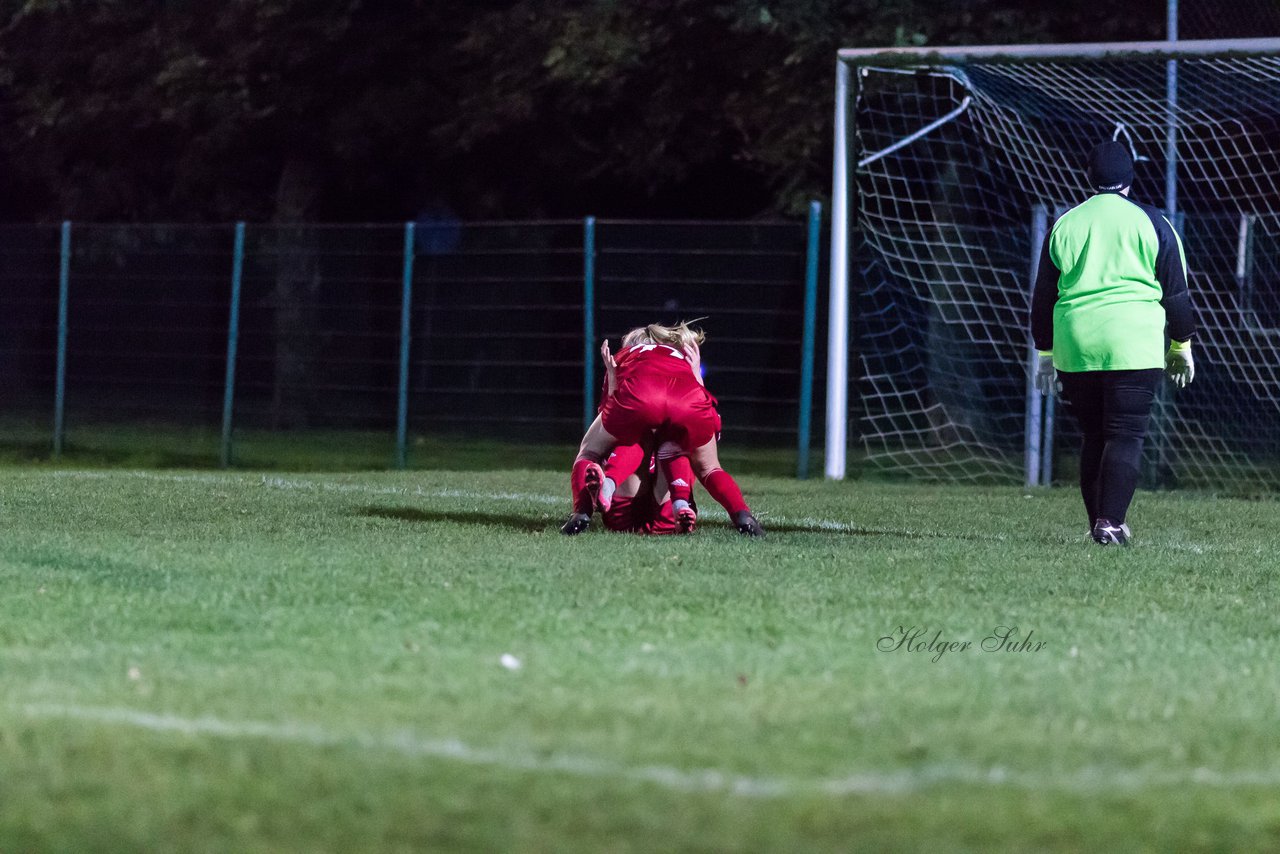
{"points": [[641, 515], [679, 407]]}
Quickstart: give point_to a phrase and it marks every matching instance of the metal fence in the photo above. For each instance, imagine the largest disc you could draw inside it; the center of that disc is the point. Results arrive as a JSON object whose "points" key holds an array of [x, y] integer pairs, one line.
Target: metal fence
{"points": [[488, 330]]}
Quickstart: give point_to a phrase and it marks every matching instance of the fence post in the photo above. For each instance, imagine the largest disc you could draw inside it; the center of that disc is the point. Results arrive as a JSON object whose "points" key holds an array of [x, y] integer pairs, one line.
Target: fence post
{"points": [[1046, 442], [588, 321], [1034, 425], [406, 307], [233, 343], [810, 334], [60, 377]]}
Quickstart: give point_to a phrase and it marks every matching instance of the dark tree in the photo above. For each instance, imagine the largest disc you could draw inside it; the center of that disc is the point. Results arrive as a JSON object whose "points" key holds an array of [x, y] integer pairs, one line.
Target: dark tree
{"points": [[362, 110]]}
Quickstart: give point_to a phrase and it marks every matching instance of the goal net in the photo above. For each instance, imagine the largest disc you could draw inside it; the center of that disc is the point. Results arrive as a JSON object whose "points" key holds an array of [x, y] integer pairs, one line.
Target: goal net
{"points": [[951, 165]]}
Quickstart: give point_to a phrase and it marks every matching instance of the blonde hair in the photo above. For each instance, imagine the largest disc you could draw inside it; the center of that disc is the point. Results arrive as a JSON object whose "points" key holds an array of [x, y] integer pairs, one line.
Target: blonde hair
{"points": [[681, 336]]}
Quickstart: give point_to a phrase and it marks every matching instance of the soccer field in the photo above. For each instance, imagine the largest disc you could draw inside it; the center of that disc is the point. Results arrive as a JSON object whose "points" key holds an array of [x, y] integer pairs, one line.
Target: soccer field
{"points": [[240, 662]]}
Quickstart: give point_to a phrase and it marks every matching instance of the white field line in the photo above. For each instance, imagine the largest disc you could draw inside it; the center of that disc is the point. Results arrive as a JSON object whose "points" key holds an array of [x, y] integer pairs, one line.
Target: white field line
{"points": [[295, 484], [418, 492], [316, 486], [889, 782]]}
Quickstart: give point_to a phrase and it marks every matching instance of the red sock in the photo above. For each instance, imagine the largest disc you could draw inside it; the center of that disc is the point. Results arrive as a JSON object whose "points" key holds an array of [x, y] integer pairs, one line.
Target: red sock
{"points": [[679, 474], [724, 489], [578, 488], [623, 462]]}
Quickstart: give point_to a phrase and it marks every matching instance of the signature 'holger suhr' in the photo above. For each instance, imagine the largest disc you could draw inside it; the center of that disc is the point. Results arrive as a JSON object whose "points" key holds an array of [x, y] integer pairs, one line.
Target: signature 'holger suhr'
{"points": [[920, 639]]}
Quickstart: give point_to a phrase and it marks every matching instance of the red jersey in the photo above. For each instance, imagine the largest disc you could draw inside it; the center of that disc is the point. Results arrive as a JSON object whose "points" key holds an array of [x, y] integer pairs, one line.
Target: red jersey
{"points": [[641, 514], [653, 359], [658, 391]]}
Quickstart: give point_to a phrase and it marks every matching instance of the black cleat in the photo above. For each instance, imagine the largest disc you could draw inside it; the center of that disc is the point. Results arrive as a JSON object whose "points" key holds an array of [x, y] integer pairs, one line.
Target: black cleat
{"points": [[577, 523], [1107, 534], [747, 524]]}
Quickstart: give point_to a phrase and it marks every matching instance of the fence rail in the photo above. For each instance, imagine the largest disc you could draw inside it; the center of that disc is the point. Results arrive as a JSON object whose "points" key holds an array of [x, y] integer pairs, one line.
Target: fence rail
{"points": [[489, 329]]}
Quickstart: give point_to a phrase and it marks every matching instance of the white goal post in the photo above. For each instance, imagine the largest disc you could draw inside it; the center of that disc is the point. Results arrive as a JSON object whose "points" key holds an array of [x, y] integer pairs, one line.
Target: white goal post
{"points": [[942, 158]]}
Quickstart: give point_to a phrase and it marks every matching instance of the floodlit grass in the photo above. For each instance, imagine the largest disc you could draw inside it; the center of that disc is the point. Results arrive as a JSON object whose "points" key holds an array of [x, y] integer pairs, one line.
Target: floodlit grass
{"points": [[199, 661], [163, 445]]}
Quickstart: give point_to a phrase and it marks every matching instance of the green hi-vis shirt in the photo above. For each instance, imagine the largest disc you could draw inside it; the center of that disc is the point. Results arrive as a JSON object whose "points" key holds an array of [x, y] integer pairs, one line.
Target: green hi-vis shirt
{"points": [[1112, 274]]}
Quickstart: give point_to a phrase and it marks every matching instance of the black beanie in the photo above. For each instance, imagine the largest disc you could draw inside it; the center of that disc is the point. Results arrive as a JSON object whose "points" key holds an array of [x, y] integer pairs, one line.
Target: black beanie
{"points": [[1110, 166]]}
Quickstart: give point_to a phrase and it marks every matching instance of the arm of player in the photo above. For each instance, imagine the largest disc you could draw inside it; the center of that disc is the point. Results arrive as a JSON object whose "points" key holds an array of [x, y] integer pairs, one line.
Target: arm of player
{"points": [[610, 370], [1180, 319], [1171, 273], [1043, 298], [694, 354]]}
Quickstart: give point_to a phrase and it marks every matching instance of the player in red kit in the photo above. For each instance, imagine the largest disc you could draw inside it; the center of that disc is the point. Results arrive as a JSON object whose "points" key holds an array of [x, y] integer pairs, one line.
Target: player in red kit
{"points": [[657, 390], [632, 490], [641, 502]]}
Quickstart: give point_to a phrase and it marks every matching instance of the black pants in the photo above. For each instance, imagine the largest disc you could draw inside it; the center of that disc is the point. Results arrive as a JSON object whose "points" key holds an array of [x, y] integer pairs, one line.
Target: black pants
{"points": [[1113, 409]]}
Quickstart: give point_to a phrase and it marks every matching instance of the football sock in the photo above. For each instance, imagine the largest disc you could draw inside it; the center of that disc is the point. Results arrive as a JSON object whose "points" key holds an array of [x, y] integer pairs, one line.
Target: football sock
{"points": [[679, 473], [725, 490], [622, 463], [578, 488], [1091, 474], [1119, 479]]}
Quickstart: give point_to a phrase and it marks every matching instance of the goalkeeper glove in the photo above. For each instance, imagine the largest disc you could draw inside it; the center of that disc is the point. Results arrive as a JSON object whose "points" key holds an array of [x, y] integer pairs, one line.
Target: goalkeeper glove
{"points": [[1179, 367], [1046, 377]]}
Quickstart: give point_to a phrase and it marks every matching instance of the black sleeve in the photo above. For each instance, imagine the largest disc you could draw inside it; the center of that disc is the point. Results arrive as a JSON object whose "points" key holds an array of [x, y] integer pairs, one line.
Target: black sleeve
{"points": [[1043, 298], [1180, 318]]}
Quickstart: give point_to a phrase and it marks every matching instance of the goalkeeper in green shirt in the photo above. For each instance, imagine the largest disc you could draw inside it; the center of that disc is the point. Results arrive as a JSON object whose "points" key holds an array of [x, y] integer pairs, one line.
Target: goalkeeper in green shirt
{"points": [[1112, 284]]}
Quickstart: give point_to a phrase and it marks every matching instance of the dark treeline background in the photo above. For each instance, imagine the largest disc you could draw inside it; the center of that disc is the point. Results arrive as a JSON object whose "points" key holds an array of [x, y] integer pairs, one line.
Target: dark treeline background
{"points": [[368, 110]]}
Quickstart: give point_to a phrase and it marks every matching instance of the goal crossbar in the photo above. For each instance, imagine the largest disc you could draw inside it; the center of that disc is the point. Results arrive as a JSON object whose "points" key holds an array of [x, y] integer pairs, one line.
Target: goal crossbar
{"points": [[1007, 53]]}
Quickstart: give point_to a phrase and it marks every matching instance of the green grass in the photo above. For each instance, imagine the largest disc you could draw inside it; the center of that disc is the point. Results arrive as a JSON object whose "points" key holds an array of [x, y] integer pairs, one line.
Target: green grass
{"points": [[199, 661], [163, 445]]}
